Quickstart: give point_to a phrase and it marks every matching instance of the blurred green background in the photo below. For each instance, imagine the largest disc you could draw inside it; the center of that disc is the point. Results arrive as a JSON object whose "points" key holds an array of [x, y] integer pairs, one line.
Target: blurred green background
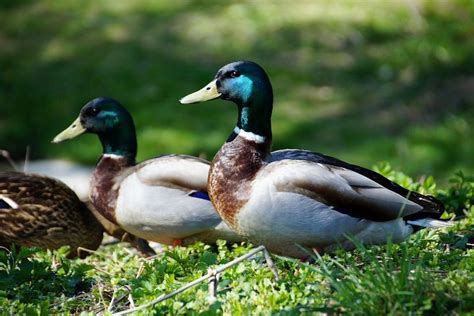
{"points": [[365, 81]]}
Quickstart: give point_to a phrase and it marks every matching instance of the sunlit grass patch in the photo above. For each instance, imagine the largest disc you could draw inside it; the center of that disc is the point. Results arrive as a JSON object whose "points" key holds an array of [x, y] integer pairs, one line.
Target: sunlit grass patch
{"points": [[430, 273]]}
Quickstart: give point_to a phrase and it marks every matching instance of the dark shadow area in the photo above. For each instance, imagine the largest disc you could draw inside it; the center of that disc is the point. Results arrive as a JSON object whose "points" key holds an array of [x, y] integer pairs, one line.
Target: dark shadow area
{"points": [[26, 278]]}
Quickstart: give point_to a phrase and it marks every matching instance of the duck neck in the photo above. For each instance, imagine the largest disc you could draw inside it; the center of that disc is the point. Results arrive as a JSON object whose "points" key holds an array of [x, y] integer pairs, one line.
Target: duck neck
{"points": [[119, 152], [254, 118], [121, 141]]}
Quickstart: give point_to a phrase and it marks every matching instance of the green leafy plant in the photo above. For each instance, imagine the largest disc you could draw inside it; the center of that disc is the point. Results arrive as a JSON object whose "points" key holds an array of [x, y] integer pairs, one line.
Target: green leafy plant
{"points": [[430, 273], [33, 281], [459, 198]]}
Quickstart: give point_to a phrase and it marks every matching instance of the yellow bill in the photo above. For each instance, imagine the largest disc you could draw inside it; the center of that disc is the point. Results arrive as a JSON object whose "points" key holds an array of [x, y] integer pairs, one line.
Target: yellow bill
{"points": [[209, 92], [75, 129]]}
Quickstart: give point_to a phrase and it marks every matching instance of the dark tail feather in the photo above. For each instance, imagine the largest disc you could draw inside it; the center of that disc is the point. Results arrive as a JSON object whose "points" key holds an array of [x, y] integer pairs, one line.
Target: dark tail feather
{"points": [[429, 217], [432, 207], [430, 203]]}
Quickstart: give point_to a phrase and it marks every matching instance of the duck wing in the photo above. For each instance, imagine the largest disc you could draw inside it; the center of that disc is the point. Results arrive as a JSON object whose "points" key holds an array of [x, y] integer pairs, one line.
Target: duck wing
{"points": [[182, 172], [166, 197], [348, 188]]}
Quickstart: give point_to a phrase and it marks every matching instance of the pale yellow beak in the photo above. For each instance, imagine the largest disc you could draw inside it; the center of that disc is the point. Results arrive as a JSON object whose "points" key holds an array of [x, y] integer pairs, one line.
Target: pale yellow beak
{"points": [[72, 131], [209, 92]]}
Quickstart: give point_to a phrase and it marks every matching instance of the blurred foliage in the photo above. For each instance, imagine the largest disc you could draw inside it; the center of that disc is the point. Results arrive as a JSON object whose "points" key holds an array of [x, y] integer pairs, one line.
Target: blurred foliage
{"points": [[460, 195], [360, 80]]}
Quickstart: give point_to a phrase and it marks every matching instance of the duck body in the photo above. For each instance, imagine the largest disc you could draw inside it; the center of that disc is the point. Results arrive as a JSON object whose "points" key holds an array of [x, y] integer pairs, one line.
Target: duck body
{"points": [[163, 199], [295, 198], [155, 199], [288, 200], [38, 211]]}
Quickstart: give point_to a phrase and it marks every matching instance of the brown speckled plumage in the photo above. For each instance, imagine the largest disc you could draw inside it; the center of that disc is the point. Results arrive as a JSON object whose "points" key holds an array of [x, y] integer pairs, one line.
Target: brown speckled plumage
{"points": [[232, 171], [49, 215]]}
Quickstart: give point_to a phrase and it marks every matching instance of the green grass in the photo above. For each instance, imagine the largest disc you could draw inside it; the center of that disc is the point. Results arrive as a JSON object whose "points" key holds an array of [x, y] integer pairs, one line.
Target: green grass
{"points": [[430, 273], [360, 80]]}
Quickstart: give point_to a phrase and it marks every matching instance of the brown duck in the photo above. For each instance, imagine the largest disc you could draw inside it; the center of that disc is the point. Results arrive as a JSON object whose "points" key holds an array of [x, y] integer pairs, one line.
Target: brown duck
{"points": [[38, 211]]}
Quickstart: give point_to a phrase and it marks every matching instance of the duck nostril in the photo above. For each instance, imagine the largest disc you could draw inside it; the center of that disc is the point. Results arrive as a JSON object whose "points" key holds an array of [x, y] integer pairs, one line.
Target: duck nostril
{"points": [[74, 125], [208, 88]]}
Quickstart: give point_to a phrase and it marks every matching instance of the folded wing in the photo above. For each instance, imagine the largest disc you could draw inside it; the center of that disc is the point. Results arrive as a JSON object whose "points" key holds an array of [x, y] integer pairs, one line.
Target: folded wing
{"points": [[338, 185]]}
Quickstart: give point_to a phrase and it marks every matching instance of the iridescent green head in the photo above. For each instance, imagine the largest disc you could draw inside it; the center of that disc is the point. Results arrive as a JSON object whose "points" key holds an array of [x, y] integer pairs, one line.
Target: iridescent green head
{"points": [[246, 84], [108, 119]]}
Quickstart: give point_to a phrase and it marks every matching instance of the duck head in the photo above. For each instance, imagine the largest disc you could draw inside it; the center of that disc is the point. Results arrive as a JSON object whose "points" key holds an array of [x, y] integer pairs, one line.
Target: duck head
{"points": [[247, 85], [108, 119]]}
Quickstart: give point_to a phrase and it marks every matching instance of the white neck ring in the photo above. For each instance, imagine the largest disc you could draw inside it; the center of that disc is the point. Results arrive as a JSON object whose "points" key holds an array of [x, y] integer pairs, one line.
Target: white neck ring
{"points": [[259, 139]]}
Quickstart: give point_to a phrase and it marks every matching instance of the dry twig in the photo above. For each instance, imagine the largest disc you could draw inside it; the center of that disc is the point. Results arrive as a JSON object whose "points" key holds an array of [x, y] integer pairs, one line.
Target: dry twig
{"points": [[212, 274]]}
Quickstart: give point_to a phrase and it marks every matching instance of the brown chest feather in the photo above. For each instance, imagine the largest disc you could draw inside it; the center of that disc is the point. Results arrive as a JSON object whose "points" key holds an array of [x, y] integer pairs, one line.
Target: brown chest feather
{"points": [[233, 169], [105, 184]]}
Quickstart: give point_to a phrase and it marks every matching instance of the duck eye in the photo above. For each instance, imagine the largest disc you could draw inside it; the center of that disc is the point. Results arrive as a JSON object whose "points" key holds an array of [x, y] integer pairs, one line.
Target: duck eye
{"points": [[93, 111], [234, 74]]}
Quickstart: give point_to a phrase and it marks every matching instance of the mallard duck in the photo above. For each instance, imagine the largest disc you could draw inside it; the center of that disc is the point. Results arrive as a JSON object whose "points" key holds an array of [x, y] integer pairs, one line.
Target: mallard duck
{"points": [[38, 211], [290, 199], [163, 199]]}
